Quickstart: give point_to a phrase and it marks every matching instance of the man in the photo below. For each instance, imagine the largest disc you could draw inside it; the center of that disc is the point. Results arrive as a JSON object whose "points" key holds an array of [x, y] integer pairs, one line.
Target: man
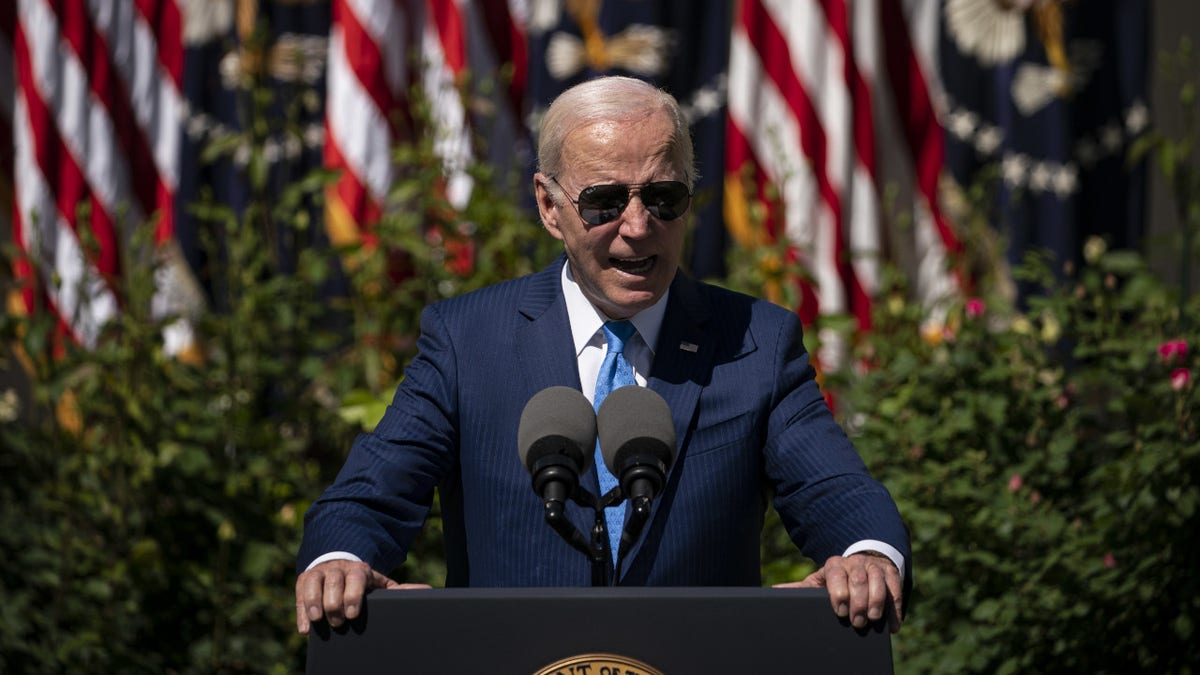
{"points": [[616, 170]]}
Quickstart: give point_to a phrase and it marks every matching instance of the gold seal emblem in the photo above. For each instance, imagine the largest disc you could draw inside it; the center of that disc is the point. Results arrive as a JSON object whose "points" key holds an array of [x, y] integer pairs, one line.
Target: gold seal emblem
{"points": [[599, 664]]}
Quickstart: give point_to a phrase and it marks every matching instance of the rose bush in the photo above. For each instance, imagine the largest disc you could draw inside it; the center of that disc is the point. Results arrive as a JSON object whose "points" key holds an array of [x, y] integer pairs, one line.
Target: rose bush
{"points": [[1047, 460]]}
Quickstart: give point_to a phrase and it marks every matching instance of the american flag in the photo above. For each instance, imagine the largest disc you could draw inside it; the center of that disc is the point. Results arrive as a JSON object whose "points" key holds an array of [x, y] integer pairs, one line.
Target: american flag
{"points": [[371, 76], [96, 135], [831, 103]]}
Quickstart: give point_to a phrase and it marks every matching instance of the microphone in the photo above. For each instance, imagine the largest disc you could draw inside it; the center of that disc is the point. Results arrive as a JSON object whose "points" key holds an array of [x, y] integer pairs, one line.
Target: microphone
{"points": [[556, 440], [637, 441]]}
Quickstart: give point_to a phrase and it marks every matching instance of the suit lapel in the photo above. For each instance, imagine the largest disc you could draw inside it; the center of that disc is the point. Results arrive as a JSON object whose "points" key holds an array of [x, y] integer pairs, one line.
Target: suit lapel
{"points": [[543, 338], [546, 357]]}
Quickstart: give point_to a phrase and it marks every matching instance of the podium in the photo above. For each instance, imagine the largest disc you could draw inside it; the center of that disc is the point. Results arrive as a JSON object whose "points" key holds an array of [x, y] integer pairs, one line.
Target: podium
{"points": [[599, 631]]}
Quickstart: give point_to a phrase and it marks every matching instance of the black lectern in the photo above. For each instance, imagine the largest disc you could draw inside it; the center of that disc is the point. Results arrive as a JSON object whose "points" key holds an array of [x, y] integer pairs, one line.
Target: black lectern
{"points": [[599, 631]]}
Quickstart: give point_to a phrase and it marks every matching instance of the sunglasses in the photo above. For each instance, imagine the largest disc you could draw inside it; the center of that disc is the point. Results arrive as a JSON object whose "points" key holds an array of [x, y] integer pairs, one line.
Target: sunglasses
{"points": [[599, 204]]}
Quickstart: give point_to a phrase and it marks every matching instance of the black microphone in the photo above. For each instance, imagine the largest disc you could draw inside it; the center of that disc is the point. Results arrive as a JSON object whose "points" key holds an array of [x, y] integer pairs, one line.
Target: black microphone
{"points": [[637, 441], [556, 440]]}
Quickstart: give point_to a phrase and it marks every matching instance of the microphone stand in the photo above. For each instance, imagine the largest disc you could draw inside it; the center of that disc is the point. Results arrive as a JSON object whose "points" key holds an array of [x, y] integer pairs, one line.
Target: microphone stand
{"points": [[639, 513], [555, 480], [599, 551]]}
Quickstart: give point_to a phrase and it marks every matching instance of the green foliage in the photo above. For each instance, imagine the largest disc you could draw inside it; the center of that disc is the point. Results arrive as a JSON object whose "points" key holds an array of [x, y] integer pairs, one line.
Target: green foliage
{"points": [[1048, 465], [150, 523], [151, 506]]}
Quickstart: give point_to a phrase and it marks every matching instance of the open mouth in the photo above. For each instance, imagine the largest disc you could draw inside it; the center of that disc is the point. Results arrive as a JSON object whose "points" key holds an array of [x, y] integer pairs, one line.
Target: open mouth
{"points": [[637, 266]]}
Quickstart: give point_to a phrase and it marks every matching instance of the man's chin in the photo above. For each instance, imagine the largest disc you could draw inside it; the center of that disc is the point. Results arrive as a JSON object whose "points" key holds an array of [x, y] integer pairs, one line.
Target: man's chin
{"points": [[629, 302]]}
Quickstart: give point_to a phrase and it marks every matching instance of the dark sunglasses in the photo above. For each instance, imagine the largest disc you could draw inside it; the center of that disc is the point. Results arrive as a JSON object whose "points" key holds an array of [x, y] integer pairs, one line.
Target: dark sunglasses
{"points": [[599, 204]]}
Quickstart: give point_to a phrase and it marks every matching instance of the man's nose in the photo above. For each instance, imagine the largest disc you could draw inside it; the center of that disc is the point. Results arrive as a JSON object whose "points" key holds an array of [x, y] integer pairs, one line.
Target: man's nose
{"points": [[635, 221]]}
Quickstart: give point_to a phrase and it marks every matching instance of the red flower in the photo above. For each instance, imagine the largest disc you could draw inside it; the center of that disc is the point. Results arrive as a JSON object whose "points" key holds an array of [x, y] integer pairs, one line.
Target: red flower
{"points": [[1172, 351], [975, 308], [1109, 561], [1180, 378]]}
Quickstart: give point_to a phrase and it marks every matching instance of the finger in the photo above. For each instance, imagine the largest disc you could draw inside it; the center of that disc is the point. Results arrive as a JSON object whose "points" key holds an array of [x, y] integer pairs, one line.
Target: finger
{"points": [[302, 623], [895, 587], [839, 589], [310, 596], [860, 592], [335, 591], [813, 580], [877, 591], [357, 581]]}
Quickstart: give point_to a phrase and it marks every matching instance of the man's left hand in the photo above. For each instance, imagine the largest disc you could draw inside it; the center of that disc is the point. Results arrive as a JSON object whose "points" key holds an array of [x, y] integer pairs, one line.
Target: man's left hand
{"points": [[863, 588]]}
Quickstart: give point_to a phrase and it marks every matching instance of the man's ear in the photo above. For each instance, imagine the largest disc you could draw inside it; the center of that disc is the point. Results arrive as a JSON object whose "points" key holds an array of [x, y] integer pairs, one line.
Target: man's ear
{"points": [[547, 210]]}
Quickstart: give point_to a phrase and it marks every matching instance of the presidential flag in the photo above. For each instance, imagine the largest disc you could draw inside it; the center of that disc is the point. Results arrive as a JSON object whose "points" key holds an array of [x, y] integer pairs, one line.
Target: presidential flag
{"points": [[1048, 97]]}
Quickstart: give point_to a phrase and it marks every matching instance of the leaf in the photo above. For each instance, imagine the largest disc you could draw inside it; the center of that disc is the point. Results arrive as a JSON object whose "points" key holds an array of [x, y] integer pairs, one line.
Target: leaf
{"points": [[363, 408]]}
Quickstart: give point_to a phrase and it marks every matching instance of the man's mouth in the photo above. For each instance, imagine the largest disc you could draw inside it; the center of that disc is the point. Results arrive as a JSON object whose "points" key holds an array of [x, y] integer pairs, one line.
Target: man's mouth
{"points": [[637, 266]]}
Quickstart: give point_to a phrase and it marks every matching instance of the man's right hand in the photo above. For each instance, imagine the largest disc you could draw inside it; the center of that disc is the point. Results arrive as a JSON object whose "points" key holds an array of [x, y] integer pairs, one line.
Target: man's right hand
{"points": [[335, 590]]}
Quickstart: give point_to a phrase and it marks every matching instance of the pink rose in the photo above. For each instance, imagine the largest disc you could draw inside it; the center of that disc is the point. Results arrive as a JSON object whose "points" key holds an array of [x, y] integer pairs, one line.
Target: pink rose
{"points": [[1172, 351], [975, 308], [1109, 561], [1015, 482], [1180, 377]]}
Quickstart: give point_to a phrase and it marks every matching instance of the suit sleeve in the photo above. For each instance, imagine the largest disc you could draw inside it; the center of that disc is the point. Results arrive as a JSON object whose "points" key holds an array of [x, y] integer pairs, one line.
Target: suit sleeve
{"points": [[824, 494], [380, 499]]}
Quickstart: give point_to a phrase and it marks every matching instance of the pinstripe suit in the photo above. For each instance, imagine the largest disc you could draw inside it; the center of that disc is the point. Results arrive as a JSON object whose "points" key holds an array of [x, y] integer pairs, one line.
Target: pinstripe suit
{"points": [[749, 418]]}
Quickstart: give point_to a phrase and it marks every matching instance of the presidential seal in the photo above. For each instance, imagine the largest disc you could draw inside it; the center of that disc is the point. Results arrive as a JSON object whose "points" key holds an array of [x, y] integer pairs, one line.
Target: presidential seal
{"points": [[599, 664]]}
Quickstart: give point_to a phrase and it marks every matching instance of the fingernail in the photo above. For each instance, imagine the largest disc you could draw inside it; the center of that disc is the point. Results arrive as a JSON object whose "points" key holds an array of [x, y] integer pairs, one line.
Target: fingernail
{"points": [[314, 614], [843, 610], [351, 611]]}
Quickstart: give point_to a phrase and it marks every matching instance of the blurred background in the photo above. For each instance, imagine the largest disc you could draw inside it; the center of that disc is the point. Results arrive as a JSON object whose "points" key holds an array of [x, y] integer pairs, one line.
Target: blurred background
{"points": [[221, 219]]}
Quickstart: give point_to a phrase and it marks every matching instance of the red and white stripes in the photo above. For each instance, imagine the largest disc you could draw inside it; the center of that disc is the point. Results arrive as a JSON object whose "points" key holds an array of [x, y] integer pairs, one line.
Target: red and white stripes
{"points": [[813, 88], [96, 128], [369, 77]]}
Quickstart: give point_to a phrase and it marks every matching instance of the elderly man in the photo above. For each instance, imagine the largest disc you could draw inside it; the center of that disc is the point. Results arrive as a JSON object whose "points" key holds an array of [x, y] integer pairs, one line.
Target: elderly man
{"points": [[615, 180]]}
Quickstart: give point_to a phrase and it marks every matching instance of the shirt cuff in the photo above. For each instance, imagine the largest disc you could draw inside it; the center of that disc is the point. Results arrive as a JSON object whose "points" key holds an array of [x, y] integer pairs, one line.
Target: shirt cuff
{"points": [[336, 555], [876, 546]]}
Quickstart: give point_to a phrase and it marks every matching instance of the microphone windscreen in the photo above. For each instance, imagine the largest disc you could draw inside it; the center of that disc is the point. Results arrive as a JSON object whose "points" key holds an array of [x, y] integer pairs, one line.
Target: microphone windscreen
{"points": [[635, 420], [557, 420]]}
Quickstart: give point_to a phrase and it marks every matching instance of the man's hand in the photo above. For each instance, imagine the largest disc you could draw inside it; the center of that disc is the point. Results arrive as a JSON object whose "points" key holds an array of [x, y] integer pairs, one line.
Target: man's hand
{"points": [[863, 587], [335, 590]]}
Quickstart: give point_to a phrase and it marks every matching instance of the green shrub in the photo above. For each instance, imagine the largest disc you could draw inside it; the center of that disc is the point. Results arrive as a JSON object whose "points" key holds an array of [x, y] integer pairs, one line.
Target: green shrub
{"points": [[1048, 464], [151, 506]]}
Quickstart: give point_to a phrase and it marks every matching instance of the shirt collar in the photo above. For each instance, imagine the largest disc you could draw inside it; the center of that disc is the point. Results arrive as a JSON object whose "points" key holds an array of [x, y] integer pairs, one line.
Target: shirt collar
{"points": [[586, 319]]}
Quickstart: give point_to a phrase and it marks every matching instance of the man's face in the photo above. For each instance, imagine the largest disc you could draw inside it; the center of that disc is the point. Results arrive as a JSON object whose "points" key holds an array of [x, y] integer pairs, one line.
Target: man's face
{"points": [[625, 265]]}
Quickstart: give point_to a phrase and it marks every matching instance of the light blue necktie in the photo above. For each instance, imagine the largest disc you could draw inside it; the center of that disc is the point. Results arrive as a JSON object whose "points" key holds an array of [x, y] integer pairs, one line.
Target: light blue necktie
{"points": [[615, 372]]}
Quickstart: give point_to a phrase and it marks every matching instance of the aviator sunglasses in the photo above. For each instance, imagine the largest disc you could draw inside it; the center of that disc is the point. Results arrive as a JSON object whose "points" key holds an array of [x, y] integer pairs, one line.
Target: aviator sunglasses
{"points": [[599, 204]]}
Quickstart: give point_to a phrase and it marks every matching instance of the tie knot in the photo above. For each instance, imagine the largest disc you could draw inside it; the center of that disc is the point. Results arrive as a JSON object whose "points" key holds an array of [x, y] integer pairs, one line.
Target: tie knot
{"points": [[617, 332]]}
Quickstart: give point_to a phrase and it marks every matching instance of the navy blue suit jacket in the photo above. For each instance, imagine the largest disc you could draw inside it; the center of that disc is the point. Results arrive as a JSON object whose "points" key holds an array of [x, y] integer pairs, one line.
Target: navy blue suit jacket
{"points": [[750, 423]]}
